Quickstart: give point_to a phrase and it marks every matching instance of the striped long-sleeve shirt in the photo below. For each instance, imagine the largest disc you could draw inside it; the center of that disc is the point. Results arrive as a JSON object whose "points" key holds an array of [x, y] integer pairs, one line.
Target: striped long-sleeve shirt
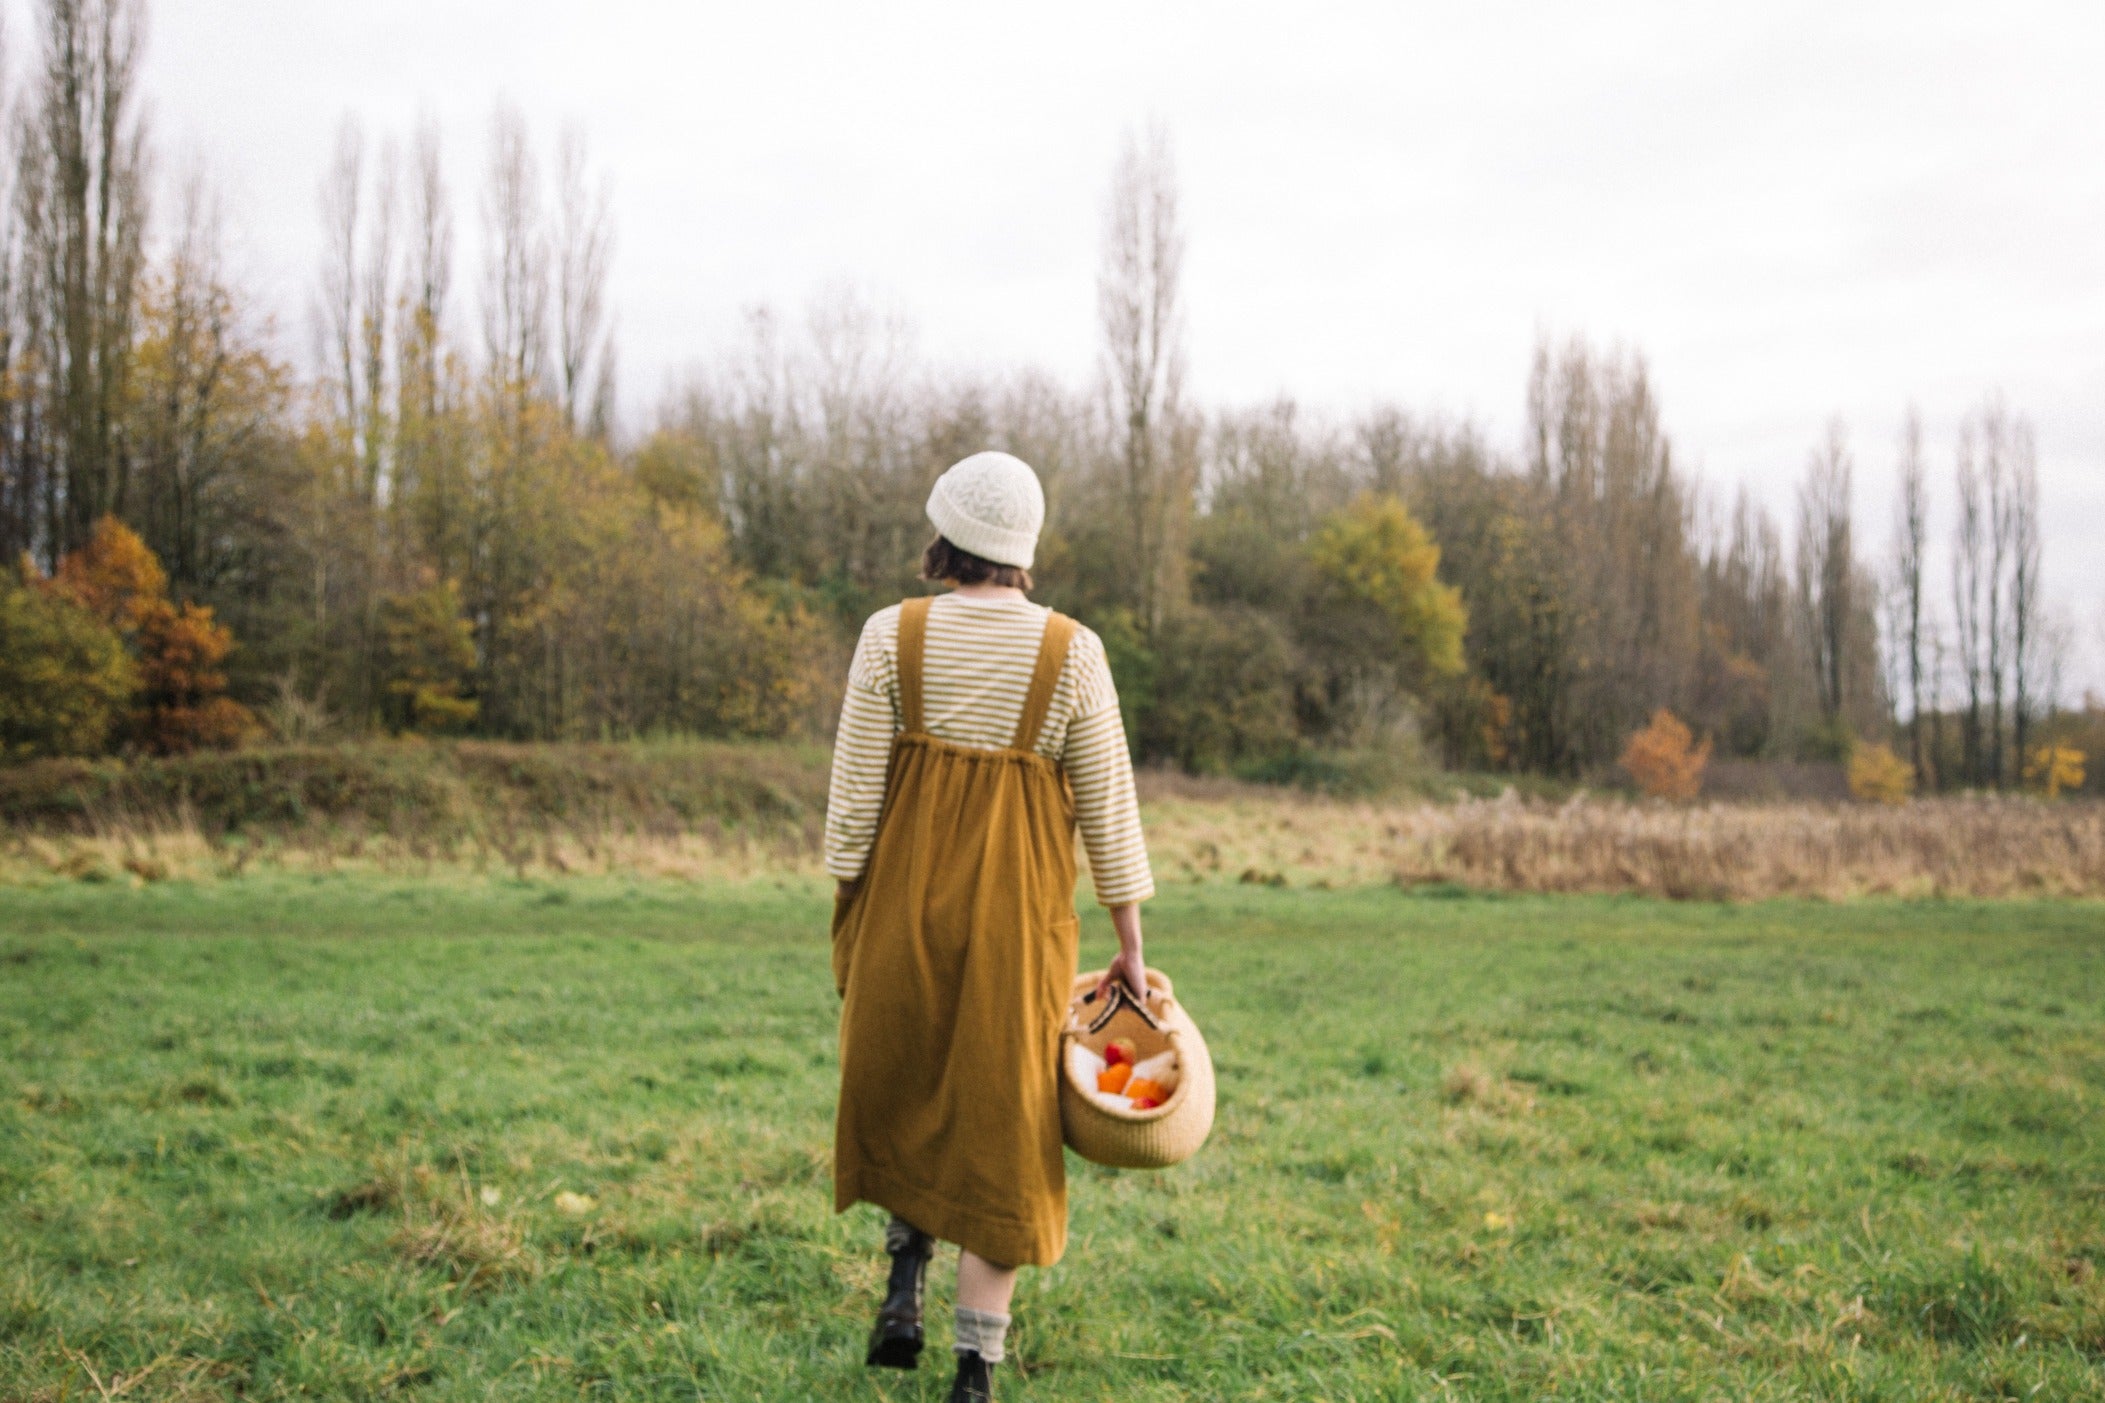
{"points": [[976, 668]]}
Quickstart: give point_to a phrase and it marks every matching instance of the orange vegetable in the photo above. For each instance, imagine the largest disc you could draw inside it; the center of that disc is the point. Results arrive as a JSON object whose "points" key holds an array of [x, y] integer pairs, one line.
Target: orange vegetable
{"points": [[1141, 1089], [1113, 1078]]}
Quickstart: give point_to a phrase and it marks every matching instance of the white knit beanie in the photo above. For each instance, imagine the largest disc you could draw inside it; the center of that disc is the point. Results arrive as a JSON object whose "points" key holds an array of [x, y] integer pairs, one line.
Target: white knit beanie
{"points": [[991, 505]]}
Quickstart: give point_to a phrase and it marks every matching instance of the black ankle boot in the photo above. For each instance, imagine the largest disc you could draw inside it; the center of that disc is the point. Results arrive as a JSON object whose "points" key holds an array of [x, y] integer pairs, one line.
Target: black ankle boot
{"points": [[895, 1341], [975, 1380]]}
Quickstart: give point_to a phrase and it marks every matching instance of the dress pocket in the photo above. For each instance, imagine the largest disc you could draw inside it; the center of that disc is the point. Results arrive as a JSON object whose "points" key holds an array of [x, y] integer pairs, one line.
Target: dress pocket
{"points": [[1057, 968]]}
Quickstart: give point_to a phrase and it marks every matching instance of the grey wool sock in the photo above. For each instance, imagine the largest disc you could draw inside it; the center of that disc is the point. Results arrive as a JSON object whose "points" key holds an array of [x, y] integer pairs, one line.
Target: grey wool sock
{"points": [[982, 1331]]}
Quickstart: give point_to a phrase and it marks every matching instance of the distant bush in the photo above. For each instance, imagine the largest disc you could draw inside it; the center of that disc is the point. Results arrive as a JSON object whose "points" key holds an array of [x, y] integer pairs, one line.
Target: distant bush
{"points": [[1878, 776], [179, 650], [65, 678], [2054, 768], [1665, 760]]}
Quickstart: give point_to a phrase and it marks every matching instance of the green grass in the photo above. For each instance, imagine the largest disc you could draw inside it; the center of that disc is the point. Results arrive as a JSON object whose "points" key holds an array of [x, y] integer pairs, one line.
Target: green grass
{"points": [[1468, 1147]]}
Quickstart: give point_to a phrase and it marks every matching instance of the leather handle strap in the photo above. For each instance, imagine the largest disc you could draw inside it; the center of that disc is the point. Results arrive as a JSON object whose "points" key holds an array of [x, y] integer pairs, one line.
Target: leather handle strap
{"points": [[1052, 656], [1119, 997], [913, 635]]}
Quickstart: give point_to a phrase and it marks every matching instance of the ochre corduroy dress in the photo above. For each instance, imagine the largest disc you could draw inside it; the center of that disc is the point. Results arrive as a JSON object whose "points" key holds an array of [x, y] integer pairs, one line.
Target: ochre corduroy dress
{"points": [[953, 955]]}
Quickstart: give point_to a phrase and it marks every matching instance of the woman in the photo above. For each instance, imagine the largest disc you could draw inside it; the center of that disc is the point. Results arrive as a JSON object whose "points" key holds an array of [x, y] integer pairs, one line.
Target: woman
{"points": [[978, 730]]}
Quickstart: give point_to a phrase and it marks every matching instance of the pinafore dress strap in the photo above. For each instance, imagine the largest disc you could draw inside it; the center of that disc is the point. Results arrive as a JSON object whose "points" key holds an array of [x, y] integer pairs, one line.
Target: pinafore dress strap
{"points": [[1052, 656], [913, 633]]}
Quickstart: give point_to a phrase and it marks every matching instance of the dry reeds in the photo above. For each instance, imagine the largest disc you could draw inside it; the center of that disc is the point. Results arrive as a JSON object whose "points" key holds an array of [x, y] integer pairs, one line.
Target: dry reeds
{"points": [[1979, 847], [1952, 848], [1207, 833]]}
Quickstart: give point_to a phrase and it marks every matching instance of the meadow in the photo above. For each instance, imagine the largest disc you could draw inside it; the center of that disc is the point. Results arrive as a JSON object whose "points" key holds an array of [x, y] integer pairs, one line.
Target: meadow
{"points": [[450, 1137]]}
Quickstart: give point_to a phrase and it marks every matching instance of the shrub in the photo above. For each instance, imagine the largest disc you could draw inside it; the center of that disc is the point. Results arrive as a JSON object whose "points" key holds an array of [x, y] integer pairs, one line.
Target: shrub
{"points": [[428, 648], [1877, 775], [180, 650], [64, 675], [1664, 759], [1222, 694], [2053, 768]]}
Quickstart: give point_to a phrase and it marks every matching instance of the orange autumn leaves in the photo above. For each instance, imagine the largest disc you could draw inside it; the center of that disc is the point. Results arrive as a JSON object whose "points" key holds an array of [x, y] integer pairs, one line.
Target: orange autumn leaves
{"points": [[178, 651], [1665, 760]]}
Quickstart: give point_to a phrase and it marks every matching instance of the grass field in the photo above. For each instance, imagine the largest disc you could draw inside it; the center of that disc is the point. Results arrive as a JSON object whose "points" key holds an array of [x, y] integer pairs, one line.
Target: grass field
{"points": [[352, 1138]]}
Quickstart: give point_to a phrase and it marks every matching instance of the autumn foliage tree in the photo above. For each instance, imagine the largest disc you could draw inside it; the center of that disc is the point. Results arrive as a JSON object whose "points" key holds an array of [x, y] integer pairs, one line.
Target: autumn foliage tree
{"points": [[1378, 615], [1878, 776], [1665, 760], [429, 658], [2054, 768], [65, 677], [178, 651]]}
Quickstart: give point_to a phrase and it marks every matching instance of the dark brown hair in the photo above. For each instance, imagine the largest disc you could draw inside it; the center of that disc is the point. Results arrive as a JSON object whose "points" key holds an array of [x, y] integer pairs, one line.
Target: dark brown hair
{"points": [[944, 561]]}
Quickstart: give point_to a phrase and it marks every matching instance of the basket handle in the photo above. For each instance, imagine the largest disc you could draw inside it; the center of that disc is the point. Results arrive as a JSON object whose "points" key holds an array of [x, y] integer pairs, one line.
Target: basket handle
{"points": [[1119, 997]]}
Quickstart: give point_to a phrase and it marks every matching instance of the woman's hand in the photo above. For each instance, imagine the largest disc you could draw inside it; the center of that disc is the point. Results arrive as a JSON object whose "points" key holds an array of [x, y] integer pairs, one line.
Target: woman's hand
{"points": [[1127, 964]]}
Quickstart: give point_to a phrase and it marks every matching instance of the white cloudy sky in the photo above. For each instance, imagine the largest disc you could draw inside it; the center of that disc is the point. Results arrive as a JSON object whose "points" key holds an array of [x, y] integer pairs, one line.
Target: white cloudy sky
{"points": [[1796, 211]]}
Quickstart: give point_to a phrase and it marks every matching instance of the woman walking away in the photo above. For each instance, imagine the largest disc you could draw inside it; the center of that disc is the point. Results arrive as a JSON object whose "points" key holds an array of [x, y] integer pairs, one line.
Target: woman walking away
{"points": [[979, 729]]}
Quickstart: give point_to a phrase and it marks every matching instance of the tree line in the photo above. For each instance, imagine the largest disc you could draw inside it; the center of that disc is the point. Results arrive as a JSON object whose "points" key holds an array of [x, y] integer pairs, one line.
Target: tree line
{"points": [[444, 525]]}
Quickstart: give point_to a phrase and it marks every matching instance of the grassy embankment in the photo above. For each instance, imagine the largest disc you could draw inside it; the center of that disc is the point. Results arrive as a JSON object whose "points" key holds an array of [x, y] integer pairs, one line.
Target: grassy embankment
{"points": [[716, 812], [311, 1136]]}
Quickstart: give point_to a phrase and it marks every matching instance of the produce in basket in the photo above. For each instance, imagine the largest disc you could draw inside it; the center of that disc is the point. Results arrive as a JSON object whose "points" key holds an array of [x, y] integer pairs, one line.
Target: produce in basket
{"points": [[1113, 1079]]}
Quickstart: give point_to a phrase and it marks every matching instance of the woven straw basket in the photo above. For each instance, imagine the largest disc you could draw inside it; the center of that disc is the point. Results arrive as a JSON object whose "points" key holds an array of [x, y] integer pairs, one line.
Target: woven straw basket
{"points": [[1155, 1139]]}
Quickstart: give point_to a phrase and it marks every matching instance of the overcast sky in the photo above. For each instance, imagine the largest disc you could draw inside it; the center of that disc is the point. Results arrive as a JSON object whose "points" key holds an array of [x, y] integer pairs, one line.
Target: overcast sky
{"points": [[1794, 211]]}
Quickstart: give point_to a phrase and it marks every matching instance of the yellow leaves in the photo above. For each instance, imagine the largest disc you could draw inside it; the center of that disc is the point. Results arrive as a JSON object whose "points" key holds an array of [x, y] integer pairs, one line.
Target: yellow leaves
{"points": [[114, 576], [2054, 767], [575, 1204], [428, 651], [1664, 759], [1375, 554], [1877, 775], [64, 674]]}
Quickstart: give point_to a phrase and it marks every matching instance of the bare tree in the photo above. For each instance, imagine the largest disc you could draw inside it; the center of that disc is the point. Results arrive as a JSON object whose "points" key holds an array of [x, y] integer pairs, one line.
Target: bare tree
{"points": [[179, 461], [336, 316], [2025, 592], [584, 245], [83, 163], [1969, 592], [515, 271], [427, 486], [1996, 479], [429, 274], [1827, 567], [376, 305], [1138, 293], [1911, 530], [21, 462]]}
